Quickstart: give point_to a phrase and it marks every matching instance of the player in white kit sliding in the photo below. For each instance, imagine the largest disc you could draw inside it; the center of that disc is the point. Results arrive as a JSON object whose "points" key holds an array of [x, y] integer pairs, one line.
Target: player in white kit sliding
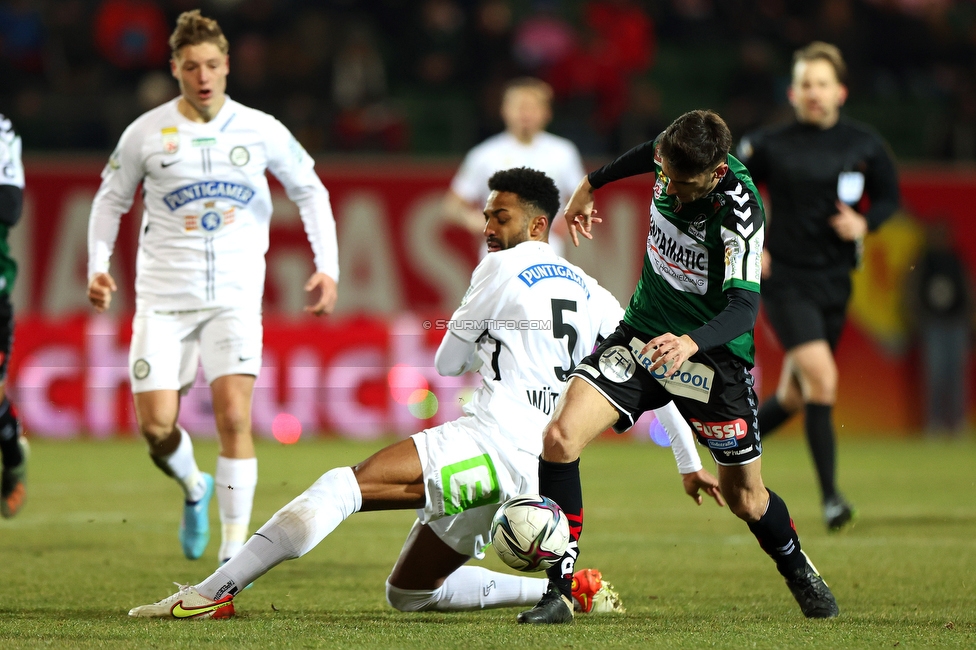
{"points": [[201, 159], [528, 317]]}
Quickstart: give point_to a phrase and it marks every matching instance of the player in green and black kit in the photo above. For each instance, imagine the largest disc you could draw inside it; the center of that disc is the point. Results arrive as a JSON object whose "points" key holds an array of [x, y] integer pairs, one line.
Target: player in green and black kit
{"points": [[686, 337], [13, 445], [817, 169]]}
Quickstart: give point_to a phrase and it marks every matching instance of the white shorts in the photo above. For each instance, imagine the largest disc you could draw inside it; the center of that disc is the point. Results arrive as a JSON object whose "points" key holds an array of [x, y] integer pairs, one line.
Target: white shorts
{"points": [[468, 473], [167, 347]]}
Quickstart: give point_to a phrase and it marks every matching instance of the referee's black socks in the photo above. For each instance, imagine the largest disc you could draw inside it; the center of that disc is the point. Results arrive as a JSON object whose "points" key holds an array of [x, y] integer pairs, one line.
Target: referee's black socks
{"points": [[771, 416], [561, 483], [820, 436]]}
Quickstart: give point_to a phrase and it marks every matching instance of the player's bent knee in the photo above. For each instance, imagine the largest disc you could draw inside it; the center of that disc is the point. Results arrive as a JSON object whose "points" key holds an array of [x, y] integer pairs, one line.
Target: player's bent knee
{"points": [[558, 446], [747, 505], [411, 600]]}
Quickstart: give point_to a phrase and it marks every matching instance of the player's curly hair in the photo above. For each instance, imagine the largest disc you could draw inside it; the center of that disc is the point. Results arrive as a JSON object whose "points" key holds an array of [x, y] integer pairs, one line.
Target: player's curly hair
{"points": [[534, 189], [193, 29], [696, 142]]}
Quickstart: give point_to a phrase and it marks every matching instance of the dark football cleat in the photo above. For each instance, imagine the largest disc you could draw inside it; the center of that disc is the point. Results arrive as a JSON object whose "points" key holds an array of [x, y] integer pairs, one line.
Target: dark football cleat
{"points": [[812, 593], [553, 608], [838, 513]]}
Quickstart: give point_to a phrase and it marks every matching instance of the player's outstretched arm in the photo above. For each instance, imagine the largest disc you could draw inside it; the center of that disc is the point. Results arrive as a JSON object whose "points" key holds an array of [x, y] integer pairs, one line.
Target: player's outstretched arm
{"points": [[458, 211], [100, 289], [579, 214], [324, 292], [703, 481]]}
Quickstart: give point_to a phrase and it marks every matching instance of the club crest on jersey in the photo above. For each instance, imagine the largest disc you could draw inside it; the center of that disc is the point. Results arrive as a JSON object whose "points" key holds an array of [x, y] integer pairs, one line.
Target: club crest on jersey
{"points": [[659, 184], [140, 369], [171, 139], [210, 221], [617, 364], [239, 156]]}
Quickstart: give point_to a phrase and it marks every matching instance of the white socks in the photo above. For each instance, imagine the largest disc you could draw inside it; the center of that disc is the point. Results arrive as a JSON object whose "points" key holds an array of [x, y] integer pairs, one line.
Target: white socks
{"points": [[291, 533], [470, 587], [234, 481], [182, 466]]}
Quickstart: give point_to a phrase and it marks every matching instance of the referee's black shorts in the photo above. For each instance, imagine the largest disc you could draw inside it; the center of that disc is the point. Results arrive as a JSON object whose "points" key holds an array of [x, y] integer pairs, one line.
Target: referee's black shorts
{"points": [[716, 393], [804, 306]]}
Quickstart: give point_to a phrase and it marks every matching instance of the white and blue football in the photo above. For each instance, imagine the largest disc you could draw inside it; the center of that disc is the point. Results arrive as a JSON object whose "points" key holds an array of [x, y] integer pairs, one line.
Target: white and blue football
{"points": [[530, 532]]}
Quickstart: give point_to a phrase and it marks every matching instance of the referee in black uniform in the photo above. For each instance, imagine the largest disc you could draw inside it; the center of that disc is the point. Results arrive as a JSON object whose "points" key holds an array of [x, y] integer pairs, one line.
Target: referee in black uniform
{"points": [[830, 181]]}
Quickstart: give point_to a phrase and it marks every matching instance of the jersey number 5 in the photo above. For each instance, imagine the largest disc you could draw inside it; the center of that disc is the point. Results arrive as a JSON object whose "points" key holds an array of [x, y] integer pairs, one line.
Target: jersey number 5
{"points": [[562, 329]]}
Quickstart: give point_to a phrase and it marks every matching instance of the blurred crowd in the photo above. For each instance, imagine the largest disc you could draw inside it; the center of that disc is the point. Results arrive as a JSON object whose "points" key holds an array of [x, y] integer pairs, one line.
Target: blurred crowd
{"points": [[425, 76]]}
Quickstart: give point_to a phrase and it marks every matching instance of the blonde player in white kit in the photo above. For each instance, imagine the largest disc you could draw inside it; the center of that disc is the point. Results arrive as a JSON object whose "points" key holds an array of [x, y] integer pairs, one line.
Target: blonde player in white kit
{"points": [[528, 317], [201, 159], [526, 110]]}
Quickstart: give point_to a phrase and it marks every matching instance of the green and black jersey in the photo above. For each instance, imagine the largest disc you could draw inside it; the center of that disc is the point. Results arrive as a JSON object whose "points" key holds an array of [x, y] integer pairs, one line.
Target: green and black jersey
{"points": [[695, 251], [11, 197]]}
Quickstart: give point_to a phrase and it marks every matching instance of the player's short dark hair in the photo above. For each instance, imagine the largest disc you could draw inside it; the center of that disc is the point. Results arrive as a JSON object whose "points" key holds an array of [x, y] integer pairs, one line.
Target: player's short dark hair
{"points": [[818, 50], [193, 29], [696, 142], [533, 188]]}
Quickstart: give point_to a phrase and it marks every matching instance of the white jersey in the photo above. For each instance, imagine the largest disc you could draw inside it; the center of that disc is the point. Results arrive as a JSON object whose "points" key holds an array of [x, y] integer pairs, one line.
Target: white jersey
{"points": [[534, 316], [207, 207], [11, 165], [557, 157]]}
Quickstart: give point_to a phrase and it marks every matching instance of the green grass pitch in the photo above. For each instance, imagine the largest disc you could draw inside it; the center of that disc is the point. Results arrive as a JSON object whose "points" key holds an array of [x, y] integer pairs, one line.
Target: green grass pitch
{"points": [[98, 536]]}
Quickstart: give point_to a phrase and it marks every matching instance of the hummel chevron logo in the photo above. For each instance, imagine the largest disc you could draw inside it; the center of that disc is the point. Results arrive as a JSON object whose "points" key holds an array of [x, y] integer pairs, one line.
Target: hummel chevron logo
{"points": [[179, 611], [737, 195], [745, 229]]}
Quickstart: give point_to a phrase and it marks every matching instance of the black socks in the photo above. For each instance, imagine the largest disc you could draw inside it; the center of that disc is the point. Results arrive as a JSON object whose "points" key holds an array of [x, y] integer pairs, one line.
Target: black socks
{"points": [[820, 436], [771, 416], [778, 537], [9, 432], [561, 483]]}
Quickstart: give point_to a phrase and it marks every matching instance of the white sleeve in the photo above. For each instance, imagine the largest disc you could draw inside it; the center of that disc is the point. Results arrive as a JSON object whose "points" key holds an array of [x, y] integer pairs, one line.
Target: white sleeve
{"points": [[291, 165], [120, 178], [682, 439], [11, 163], [455, 356], [480, 302], [469, 182]]}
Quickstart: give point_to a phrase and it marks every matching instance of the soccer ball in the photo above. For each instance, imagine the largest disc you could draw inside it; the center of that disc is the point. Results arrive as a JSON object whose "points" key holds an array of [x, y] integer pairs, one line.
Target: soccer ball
{"points": [[530, 532]]}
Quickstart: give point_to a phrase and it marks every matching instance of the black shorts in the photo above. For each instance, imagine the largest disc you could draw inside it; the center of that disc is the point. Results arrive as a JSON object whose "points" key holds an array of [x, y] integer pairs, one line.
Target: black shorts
{"points": [[803, 306], [6, 334], [713, 391]]}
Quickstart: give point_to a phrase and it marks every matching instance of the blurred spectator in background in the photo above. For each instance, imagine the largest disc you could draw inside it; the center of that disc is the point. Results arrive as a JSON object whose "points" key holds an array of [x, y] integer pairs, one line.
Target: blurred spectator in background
{"points": [[526, 111], [493, 61], [591, 80], [131, 34], [70, 67], [365, 119], [940, 301]]}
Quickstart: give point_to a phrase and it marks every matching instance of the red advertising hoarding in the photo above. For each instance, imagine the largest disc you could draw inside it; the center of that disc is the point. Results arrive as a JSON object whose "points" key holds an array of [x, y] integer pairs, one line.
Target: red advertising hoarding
{"points": [[402, 266]]}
